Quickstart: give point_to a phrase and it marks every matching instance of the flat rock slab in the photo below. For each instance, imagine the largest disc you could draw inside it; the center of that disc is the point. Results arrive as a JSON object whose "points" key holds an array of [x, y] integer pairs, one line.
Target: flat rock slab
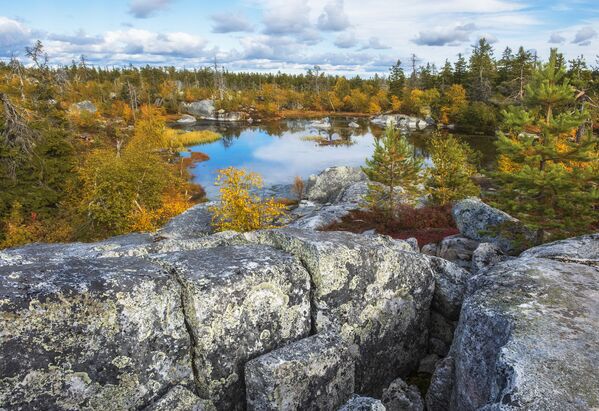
{"points": [[372, 290], [96, 334], [316, 373], [528, 337], [240, 302]]}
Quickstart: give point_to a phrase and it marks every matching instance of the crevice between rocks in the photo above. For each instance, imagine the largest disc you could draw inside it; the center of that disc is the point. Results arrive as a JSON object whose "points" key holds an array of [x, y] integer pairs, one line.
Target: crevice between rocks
{"points": [[186, 322]]}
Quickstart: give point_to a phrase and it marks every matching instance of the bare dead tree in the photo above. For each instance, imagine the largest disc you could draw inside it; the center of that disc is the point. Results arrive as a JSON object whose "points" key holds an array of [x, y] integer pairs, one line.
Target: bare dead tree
{"points": [[16, 133]]}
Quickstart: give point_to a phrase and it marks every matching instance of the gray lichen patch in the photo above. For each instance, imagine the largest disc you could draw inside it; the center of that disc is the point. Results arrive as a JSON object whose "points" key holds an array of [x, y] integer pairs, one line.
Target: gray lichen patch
{"points": [[316, 373], [373, 290], [240, 302], [89, 334]]}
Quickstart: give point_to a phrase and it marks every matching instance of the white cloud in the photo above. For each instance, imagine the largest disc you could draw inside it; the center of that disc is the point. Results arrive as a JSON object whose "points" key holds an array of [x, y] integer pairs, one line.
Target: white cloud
{"points": [[143, 9], [584, 36], [346, 40], [556, 38], [14, 36], [333, 18], [231, 22], [286, 17], [451, 36]]}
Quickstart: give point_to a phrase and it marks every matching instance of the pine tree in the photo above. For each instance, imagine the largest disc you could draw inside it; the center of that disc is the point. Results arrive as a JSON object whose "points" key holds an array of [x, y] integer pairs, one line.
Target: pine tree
{"points": [[450, 177], [546, 178], [393, 164]]}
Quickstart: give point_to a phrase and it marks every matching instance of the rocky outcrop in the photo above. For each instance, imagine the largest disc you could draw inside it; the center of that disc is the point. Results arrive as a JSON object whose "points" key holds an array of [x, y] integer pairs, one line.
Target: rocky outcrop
{"points": [[83, 106], [483, 223], [527, 335], [583, 250], [316, 373], [372, 289], [328, 184], [108, 333], [203, 109], [240, 302], [193, 223], [186, 119]]}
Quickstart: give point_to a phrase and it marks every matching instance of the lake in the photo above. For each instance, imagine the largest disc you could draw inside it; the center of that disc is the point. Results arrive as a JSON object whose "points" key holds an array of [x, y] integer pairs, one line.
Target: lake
{"points": [[279, 150]]}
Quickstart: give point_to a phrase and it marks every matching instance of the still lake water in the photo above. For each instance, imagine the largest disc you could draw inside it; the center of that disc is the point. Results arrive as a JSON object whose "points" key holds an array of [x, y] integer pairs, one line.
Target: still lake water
{"points": [[279, 151]]}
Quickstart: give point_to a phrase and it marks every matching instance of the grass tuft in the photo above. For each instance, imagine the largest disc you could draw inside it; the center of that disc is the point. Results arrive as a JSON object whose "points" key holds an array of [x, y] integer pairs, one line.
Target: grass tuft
{"points": [[177, 138]]}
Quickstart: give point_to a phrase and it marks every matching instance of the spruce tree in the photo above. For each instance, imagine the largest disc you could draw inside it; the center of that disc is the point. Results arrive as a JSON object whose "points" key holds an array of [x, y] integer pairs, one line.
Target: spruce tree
{"points": [[547, 178], [393, 164], [450, 177], [397, 79]]}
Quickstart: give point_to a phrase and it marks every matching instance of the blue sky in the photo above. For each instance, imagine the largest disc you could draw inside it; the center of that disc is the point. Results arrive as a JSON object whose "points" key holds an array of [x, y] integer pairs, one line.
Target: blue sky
{"points": [[341, 36]]}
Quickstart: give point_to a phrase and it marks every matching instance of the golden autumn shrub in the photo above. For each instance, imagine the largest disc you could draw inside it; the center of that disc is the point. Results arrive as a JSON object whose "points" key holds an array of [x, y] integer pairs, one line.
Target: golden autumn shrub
{"points": [[239, 208]]}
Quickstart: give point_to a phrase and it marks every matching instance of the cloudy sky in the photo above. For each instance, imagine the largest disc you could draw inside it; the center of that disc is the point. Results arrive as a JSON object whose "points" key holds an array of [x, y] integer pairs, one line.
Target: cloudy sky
{"points": [[345, 36]]}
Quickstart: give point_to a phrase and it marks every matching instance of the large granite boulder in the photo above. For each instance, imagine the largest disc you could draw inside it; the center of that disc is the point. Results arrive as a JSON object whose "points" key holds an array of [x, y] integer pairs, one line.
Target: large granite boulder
{"points": [[203, 109], [372, 289], [481, 222], [240, 302], [329, 183], [192, 223], [584, 250], [186, 119], [450, 286], [314, 216], [89, 334], [316, 373], [528, 337]]}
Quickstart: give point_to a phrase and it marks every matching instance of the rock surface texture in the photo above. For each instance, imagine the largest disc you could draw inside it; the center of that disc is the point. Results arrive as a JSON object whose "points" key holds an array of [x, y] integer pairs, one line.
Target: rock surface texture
{"points": [[240, 302], [372, 289], [105, 333], [316, 373], [527, 336], [483, 223]]}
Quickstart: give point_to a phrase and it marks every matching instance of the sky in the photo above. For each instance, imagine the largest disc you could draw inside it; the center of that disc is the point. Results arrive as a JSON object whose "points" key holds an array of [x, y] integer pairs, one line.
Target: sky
{"points": [[360, 37]]}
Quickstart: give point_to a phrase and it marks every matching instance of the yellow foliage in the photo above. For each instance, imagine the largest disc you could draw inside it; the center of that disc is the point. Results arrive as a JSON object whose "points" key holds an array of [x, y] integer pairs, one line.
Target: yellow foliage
{"points": [[374, 108], [145, 220], [239, 209], [395, 103], [177, 138]]}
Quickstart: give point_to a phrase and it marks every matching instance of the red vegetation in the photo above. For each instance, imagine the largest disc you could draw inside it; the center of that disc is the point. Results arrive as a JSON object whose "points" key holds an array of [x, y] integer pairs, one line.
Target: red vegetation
{"points": [[426, 224]]}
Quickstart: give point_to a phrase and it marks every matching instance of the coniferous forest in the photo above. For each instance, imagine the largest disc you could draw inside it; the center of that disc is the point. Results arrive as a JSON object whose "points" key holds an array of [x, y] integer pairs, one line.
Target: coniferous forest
{"points": [[86, 153]]}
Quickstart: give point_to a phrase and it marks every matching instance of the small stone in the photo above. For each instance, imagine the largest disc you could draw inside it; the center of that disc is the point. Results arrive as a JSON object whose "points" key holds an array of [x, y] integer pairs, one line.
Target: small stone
{"points": [[430, 249], [358, 403], [485, 256], [413, 243], [400, 396]]}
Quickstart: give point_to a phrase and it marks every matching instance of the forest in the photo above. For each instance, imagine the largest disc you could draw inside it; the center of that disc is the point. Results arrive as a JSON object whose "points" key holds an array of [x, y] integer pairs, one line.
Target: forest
{"points": [[69, 172]]}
